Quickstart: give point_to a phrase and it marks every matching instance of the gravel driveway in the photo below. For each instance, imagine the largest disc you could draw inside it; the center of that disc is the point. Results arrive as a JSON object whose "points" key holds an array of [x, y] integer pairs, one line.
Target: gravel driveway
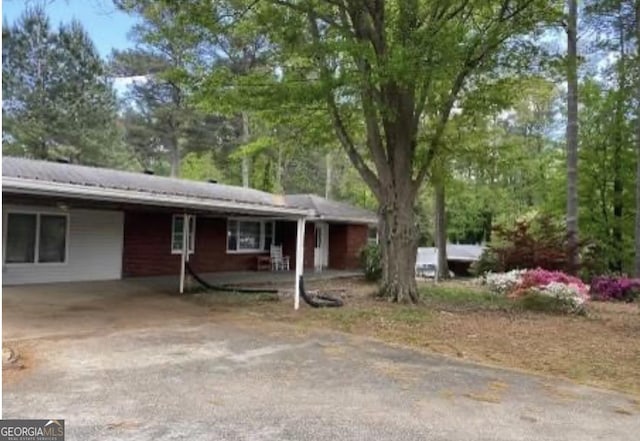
{"points": [[235, 381]]}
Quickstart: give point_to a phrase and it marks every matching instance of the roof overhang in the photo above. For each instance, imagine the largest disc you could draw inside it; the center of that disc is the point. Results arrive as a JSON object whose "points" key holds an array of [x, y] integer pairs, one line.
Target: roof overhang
{"points": [[347, 220], [55, 189]]}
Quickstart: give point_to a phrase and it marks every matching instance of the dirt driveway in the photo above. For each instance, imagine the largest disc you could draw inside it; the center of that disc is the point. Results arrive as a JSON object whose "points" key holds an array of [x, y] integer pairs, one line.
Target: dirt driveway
{"points": [[121, 362]]}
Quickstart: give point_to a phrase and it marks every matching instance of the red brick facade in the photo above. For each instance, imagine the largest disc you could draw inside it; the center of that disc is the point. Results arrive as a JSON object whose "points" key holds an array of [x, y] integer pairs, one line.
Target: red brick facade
{"points": [[345, 243], [286, 234], [147, 245]]}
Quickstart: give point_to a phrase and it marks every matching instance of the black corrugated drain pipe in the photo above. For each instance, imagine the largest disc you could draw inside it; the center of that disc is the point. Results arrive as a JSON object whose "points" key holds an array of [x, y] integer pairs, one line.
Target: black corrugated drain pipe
{"points": [[315, 301]]}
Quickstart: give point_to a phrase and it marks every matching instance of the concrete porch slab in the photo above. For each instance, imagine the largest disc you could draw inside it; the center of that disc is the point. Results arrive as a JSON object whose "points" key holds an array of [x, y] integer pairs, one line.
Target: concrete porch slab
{"points": [[252, 279]]}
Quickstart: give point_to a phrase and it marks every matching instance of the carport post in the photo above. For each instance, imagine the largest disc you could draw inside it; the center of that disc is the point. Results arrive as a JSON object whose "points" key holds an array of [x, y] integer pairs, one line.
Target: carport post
{"points": [[299, 260], [185, 250]]}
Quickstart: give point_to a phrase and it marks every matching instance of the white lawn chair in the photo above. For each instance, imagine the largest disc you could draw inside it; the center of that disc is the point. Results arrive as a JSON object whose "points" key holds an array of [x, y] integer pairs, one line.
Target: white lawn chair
{"points": [[278, 261]]}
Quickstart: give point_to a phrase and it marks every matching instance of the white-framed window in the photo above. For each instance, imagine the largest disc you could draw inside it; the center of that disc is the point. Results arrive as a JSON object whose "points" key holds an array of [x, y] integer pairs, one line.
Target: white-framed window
{"points": [[35, 238], [249, 235], [177, 231]]}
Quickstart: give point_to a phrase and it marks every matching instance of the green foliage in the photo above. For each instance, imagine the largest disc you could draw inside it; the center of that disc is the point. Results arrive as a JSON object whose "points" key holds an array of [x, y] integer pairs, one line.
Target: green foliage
{"points": [[56, 98], [462, 297], [161, 122], [487, 262], [537, 243], [502, 163], [607, 171], [370, 258], [200, 167], [537, 302]]}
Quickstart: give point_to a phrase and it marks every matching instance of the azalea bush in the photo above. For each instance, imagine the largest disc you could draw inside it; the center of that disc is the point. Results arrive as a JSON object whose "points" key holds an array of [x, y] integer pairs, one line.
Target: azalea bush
{"points": [[621, 289], [502, 283], [556, 296], [540, 289], [540, 278]]}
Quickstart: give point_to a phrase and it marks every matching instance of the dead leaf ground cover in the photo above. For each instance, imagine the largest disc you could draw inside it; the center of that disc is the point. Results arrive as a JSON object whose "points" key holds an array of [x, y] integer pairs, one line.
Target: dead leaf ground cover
{"points": [[460, 319]]}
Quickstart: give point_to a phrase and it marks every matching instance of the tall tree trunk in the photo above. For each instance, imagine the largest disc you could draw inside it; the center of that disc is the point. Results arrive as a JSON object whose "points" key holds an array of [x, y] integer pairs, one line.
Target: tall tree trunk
{"points": [[618, 202], [328, 177], [617, 208], [246, 165], [637, 64], [400, 235], [441, 228], [278, 183], [487, 226], [618, 186], [175, 156], [383, 244], [572, 138]]}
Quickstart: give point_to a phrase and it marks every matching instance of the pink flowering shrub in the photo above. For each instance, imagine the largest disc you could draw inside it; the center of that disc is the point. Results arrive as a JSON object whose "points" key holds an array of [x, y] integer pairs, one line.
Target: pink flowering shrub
{"points": [[622, 289], [561, 291], [540, 278]]}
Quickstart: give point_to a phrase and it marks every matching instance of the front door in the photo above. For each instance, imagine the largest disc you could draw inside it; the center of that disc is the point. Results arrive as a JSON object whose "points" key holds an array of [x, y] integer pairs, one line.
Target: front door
{"points": [[321, 248]]}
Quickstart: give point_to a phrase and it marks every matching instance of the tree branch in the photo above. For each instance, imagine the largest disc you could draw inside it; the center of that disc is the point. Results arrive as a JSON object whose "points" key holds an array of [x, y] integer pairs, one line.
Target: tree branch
{"points": [[307, 10], [338, 124]]}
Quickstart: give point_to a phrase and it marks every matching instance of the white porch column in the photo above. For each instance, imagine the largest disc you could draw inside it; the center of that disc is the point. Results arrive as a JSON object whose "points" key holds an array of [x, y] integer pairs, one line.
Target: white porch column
{"points": [[299, 260], [184, 257]]}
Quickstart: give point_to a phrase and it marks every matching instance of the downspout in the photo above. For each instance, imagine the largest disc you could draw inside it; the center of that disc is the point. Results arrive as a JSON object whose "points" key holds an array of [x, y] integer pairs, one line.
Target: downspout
{"points": [[299, 260], [184, 257]]}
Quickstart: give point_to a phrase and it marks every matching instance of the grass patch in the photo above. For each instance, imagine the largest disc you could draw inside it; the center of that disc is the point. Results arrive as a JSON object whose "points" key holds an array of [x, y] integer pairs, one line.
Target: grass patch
{"points": [[462, 297], [410, 315], [381, 316], [547, 304]]}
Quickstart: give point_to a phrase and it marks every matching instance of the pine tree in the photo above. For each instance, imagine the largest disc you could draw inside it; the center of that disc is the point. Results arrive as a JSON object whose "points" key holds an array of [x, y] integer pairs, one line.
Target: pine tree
{"points": [[57, 98]]}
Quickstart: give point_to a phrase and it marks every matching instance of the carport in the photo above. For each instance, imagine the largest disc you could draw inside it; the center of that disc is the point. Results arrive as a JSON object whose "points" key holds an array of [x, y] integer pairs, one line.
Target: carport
{"points": [[66, 222]]}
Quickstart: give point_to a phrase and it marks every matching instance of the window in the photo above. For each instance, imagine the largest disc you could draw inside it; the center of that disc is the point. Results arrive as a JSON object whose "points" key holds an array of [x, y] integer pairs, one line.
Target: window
{"points": [[36, 238], [249, 235], [176, 234], [53, 238], [372, 237]]}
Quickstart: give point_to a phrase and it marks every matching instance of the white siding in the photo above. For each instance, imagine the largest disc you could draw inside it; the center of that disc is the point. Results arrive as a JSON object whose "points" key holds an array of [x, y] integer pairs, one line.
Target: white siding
{"points": [[94, 249]]}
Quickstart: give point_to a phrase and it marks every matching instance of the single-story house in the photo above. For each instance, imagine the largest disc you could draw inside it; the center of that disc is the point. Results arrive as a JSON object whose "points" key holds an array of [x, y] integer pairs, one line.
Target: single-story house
{"points": [[67, 222], [459, 258]]}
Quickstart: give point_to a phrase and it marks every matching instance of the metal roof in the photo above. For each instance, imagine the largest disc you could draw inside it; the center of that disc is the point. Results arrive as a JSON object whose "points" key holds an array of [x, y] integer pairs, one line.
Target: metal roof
{"points": [[22, 174], [330, 210], [459, 252]]}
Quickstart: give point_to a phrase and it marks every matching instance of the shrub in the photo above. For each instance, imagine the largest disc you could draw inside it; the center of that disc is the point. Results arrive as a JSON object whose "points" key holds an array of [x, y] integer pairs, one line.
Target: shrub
{"points": [[540, 278], [545, 301], [371, 261], [621, 289], [487, 262], [540, 289], [502, 283], [539, 243]]}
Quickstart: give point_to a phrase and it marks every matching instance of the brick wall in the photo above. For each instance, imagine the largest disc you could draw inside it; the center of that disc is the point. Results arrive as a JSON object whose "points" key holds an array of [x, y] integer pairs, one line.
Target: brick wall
{"points": [[345, 243], [286, 235], [147, 247]]}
